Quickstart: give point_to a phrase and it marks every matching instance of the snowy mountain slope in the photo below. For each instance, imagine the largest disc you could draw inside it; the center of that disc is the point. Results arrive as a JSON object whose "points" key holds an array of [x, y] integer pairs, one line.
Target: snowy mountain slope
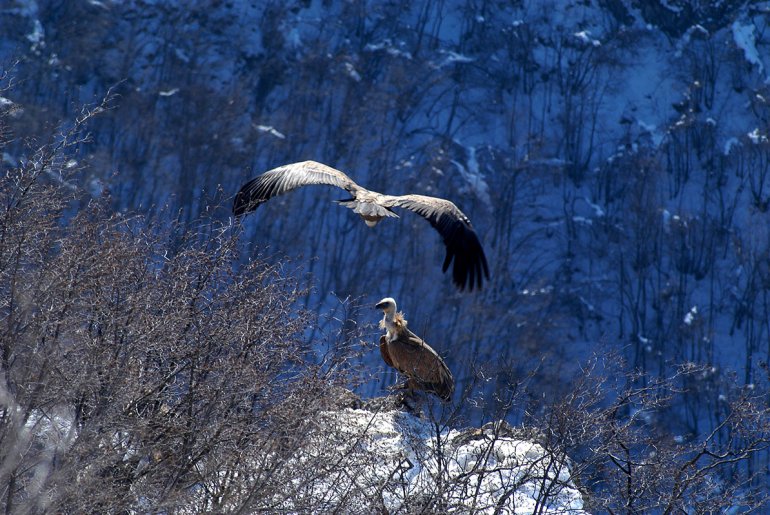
{"points": [[612, 156]]}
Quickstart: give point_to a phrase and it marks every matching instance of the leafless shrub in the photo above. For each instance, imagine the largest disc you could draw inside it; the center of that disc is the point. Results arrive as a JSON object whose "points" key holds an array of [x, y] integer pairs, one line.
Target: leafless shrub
{"points": [[617, 434], [137, 379]]}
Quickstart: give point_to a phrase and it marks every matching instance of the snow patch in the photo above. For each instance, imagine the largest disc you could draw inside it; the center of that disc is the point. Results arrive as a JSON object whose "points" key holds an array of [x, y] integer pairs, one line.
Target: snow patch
{"points": [[729, 144], [672, 8], [10, 160], [294, 39], [472, 174], [539, 291], [598, 211], [55, 428], [270, 130], [687, 36], [483, 470], [666, 218], [554, 162], [37, 36], [582, 220], [743, 35], [181, 55], [689, 318], [757, 137], [352, 72]]}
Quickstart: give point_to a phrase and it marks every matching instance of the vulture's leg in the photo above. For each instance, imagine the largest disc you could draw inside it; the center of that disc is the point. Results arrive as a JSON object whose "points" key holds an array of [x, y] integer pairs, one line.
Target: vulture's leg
{"points": [[413, 384], [408, 399], [400, 386]]}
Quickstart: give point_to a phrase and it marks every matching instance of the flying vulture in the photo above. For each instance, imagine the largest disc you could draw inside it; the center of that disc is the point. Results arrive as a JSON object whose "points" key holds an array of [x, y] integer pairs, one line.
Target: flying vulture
{"points": [[462, 243], [406, 352]]}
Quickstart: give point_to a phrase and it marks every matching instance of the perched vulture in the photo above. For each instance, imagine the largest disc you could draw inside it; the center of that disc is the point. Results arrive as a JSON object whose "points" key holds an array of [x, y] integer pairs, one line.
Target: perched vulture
{"points": [[462, 243], [407, 353]]}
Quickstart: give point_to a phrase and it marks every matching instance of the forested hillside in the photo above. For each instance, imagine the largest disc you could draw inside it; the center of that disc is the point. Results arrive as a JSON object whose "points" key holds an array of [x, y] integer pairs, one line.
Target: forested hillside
{"points": [[613, 157]]}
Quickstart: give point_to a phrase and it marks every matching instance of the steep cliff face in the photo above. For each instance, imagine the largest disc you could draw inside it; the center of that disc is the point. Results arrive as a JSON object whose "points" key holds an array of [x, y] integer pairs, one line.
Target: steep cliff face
{"points": [[612, 156]]}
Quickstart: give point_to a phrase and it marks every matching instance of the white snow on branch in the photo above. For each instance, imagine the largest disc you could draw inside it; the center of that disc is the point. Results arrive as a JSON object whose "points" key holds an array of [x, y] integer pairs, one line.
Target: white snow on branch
{"points": [[585, 37], [453, 58], [387, 46]]}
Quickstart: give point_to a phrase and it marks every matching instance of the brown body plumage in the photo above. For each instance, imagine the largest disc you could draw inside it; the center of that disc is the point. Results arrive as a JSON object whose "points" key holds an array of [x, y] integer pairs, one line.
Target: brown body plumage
{"points": [[406, 352], [460, 239]]}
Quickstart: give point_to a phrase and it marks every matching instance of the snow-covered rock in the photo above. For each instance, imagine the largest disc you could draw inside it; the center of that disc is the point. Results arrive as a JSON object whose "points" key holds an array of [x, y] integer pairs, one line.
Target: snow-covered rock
{"points": [[399, 463]]}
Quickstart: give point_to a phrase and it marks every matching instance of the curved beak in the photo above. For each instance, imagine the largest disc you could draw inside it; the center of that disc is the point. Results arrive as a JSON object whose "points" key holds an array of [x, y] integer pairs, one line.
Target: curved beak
{"points": [[380, 305]]}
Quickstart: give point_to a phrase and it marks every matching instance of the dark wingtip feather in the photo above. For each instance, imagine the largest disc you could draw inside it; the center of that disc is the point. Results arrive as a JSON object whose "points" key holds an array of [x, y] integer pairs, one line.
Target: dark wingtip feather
{"points": [[239, 205], [470, 264], [244, 201], [444, 393], [447, 260], [447, 387], [443, 390]]}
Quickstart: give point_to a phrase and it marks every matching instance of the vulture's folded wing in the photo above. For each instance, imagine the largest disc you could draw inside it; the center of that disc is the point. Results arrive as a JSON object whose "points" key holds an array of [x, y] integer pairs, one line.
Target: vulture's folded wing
{"points": [[384, 351], [417, 360]]}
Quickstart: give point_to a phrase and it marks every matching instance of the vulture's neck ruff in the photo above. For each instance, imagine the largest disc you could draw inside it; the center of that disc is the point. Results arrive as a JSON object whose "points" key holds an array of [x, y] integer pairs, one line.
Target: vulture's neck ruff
{"points": [[394, 323]]}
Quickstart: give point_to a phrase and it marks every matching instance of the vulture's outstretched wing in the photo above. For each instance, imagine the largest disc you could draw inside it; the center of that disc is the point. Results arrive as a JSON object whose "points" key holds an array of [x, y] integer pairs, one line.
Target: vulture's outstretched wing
{"points": [[461, 241], [286, 178]]}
